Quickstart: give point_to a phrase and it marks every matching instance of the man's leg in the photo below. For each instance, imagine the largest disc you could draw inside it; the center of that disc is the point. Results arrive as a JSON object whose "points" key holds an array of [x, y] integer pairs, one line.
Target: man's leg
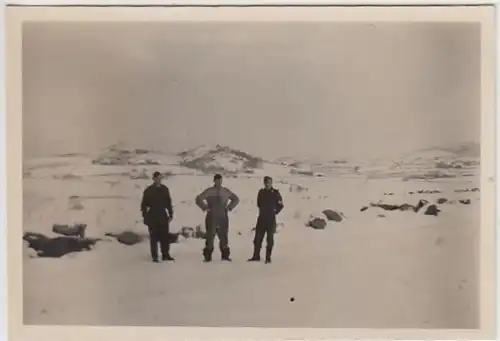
{"points": [[153, 241], [209, 238], [270, 231], [165, 241], [257, 241], [223, 234]]}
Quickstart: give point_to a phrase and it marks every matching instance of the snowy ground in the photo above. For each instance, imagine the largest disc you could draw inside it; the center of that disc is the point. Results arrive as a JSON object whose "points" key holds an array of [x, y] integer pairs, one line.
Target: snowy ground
{"points": [[404, 270]]}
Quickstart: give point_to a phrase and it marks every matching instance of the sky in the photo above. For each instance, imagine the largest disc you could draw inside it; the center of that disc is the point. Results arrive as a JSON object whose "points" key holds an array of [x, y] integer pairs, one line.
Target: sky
{"points": [[319, 90]]}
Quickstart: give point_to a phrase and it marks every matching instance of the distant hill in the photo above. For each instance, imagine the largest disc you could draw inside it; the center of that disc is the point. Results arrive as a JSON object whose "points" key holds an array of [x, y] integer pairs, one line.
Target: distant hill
{"points": [[462, 152], [219, 159], [459, 161]]}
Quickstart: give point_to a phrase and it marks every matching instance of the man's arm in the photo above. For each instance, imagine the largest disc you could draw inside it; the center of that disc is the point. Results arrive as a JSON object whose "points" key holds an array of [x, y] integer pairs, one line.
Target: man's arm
{"points": [[259, 198], [168, 198], [145, 202], [234, 200], [200, 200], [279, 202]]}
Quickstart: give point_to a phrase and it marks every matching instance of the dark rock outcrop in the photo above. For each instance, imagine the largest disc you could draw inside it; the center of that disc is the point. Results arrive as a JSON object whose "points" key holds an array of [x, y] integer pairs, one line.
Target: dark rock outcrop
{"points": [[77, 230], [465, 201], [333, 215], [462, 190], [317, 223], [130, 238], [421, 203], [59, 246], [432, 210], [127, 238], [428, 191], [403, 207], [386, 207], [442, 200], [301, 172], [202, 162]]}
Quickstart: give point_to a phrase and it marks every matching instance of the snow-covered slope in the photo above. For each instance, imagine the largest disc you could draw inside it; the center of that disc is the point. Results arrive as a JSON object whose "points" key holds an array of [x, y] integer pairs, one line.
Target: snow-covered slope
{"points": [[398, 262]]}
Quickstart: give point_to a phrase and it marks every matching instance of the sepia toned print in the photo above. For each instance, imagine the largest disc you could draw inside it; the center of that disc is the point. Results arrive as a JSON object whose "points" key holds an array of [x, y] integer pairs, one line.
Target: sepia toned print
{"points": [[252, 174]]}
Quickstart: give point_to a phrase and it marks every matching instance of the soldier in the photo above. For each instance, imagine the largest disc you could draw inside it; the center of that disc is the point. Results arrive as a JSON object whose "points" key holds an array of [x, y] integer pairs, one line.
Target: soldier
{"points": [[270, 204], [217, 201], [156, 203]]}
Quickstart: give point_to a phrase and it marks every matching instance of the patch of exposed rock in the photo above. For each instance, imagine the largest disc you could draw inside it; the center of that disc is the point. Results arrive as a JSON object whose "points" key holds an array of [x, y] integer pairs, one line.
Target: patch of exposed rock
{"points": [[206, 161], [426, 191], [127, 237], [333, 215], [403, 207], [301, 172], [76, 230], [117, 155], [432, 210], [130, 238], [464, 190], [317, 223], [58, 246]]}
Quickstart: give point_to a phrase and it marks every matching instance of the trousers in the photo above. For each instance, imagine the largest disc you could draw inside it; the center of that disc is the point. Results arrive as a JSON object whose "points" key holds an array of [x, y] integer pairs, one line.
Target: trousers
{"points": [[266, 226], [159, 233], [217, 226]]}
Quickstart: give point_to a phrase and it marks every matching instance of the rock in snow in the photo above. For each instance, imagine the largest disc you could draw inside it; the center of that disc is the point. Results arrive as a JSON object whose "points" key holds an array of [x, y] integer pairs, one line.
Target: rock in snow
{"points": [[76, 230], [333, 215], [317, 223]]}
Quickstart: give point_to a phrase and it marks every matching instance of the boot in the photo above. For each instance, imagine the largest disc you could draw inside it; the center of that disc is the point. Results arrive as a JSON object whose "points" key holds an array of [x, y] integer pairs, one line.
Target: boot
{"points": [[207, 256], [256, 255], [166, 254], [225, 255], [269, 251]]}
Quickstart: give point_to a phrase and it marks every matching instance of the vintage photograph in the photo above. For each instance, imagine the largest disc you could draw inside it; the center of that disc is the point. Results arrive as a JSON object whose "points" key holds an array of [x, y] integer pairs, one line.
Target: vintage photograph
{"points": [[252, 174]]}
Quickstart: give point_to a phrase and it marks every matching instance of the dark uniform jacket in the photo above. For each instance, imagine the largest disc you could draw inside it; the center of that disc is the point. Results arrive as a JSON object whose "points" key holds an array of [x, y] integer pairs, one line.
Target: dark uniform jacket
{"points": [[156, 202], [269, 202]]}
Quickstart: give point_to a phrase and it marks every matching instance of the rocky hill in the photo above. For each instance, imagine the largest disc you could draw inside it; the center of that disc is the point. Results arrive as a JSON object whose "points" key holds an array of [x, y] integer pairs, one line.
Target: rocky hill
{"points": [[426, 164], [219, 159]]}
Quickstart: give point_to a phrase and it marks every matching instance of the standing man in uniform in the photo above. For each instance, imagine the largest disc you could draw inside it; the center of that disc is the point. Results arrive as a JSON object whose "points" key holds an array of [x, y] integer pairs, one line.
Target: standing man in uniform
{"points": [[270, 204], [157, 213], [217, 201]]}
